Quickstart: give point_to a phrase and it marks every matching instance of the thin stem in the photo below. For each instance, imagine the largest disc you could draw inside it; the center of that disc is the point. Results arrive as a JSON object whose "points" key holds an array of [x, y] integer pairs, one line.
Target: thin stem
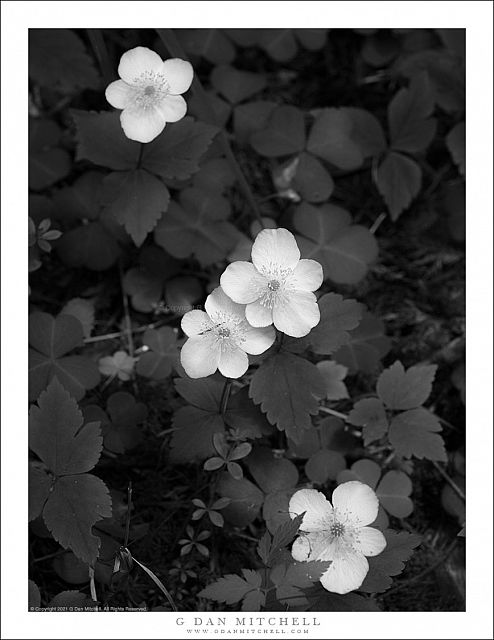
{"points": [[101, 52], [175, 48], [225, 396], [141, 152], [332, 412], [129, 509], [449, 480], [377, 223], [128, 324]]}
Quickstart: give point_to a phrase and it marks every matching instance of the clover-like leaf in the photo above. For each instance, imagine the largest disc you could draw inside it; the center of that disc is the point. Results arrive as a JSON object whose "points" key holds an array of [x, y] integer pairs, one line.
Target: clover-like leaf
{"points": [[398, 179], [251, 117], [330, 138], [311, 179], [83, 310], [271, 473], [51, 338], [197, 226], [402, 390], [286, 387], [324, 465], [157, 363], [236, 85], [283, 135], [211, 44], [137, 200], [58, 59], [48, 163], [338, 318], [245, 499], [416, 433], [333, 375], [345, 250], [366, 346]]}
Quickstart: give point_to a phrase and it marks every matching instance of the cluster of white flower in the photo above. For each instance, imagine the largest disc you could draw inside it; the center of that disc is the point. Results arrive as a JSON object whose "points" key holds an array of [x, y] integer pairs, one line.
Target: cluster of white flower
{"points": [[275, 288]]}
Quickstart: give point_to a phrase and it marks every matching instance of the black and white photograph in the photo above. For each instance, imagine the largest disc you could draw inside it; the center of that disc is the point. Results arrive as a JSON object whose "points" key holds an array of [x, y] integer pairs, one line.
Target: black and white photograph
{"points": [[253, 402]]}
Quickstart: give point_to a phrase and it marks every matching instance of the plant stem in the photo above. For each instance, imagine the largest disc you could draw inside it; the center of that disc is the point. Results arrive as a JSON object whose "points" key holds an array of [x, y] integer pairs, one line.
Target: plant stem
{"points": [[332, 412], [175, 49], [101, 52], [128, 324], [225, 396], [449, 480]]}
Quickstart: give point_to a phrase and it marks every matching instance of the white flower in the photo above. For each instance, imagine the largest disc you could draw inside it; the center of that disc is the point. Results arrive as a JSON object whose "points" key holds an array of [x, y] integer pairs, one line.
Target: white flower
{"points": [[276, 286], [220, 338], [120, 364], [149, 92], [338, 533]]}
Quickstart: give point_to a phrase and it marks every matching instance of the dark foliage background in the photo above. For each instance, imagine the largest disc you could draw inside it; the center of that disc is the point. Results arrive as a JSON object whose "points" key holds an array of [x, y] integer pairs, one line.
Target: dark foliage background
{"points": [[369, 121]]}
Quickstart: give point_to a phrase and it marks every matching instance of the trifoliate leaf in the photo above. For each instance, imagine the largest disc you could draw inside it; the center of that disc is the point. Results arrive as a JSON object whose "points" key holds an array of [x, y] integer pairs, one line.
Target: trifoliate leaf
{"points": [[244, 417], [455, 141], [58, 59], [157, 363], [51, 338], [283, 135], [83, 310], [391, 562], [367, 132], [120, 365], [236, 85], [39, 489], [48, 163], [344, 250], [371, 416], [312, 180], [366, 471], [366, 347], [333, 375], [176, 153], [245, 500], [410, 127], [271, 474], [402, 390], [215, 175], [56, 436], [137, 200], [196, 424], [286, 387], [330, 138], [211, 44], [197, 226], [102, 141], [415, 433], [398, 180], [338, 317], [75, 505], [279, 44], [282, 537], [232, 588], [324, 465], [250, 117]]}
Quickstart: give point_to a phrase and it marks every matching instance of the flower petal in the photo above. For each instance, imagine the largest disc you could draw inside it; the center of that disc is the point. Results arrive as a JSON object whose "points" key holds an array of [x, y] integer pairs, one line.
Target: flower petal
{"points": [[301, 549], [370, 541], [275, 248], [199, 356], [242, 282], [258, 315], [346, 573], [218, 303], [233, 363], [317, 509], [172, 108], [257, 340], [307, 275], [195, 322], [298, 315], [137, 61], [178, 73], [357, 500], [142, 125], [119, 94]]}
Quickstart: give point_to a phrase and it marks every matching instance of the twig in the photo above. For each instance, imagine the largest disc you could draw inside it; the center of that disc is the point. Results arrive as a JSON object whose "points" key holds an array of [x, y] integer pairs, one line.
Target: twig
{"points": [[121, 334], [449, 480], [128, 324], [175, 48], [332, 412], [225, 396], [377, 223]]}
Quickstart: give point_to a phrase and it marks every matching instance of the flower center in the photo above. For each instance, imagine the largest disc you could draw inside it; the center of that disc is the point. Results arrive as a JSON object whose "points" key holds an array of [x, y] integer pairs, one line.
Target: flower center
{"points": [[224, 332], [150, 89], [273, 285], [337, 529]]}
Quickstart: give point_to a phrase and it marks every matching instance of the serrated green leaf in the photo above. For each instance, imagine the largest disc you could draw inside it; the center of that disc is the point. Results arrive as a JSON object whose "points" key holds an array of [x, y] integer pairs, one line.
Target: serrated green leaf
{"points": [[39, 489], [287, 388], [415, 433], [402, 390], [345, 250], [398, 179], [371, 416], [366, 346], [338, 317]]}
